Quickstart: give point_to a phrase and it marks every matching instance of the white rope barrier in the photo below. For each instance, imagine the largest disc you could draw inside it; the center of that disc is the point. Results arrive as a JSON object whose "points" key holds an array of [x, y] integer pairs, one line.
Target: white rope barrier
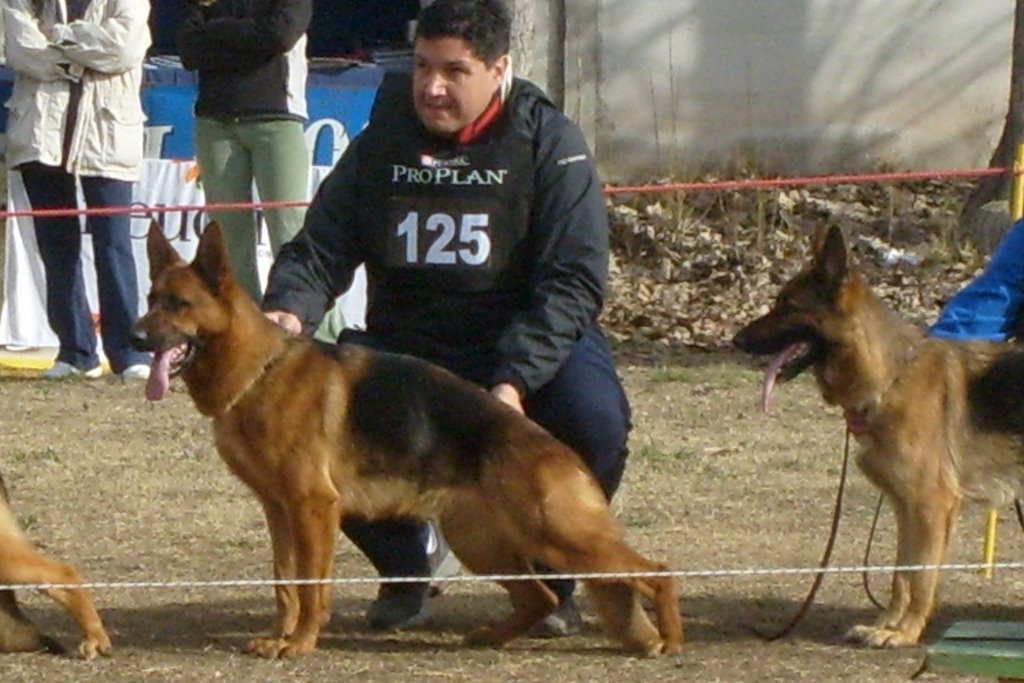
{"points": [[692, 573]]}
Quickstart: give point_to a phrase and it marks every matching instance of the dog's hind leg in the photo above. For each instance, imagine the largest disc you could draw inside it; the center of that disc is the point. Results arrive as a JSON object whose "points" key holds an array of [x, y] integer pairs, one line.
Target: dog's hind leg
{"points": [[531, 601], [617, 600], [623, 617], [22, 564], [485, 549], [592, 544]]}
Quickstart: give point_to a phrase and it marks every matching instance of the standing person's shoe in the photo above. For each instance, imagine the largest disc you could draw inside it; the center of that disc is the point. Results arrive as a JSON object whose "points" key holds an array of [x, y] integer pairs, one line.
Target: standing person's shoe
{"points": [[404, 605], [398, 606], [443, 563], [564, 621], [137, 371], [62, 370]]}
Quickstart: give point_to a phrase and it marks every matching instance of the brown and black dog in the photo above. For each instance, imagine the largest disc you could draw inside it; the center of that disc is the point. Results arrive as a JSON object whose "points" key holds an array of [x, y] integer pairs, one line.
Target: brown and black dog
{"points": [[20, 563], [938, 421], [320, 432]]}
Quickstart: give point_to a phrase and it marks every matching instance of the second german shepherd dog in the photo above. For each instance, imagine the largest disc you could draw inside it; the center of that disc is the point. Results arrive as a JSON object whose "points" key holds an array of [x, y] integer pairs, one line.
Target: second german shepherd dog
{"points": [[320, 432], [937, 420], [20, 563]]}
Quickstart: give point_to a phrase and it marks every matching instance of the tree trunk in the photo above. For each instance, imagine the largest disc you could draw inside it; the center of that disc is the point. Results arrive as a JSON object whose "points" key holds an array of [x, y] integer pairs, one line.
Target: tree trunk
{"points": [[997, 187], [523, 30]]}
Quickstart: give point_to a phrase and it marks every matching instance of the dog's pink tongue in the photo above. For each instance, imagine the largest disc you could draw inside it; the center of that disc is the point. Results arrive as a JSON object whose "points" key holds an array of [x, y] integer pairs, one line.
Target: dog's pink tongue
{"points": [[771, 373], [159, 375]]}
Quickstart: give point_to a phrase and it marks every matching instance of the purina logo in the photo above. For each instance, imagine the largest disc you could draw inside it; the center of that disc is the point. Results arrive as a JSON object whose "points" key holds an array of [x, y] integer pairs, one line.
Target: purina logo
{"points": [[434, 162], [433, 171]]}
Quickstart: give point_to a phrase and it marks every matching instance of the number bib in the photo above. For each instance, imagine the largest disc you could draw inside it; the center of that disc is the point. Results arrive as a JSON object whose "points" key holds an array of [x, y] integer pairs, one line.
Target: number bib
{"points": [[450, 235], [439, 217], [451, 244]]}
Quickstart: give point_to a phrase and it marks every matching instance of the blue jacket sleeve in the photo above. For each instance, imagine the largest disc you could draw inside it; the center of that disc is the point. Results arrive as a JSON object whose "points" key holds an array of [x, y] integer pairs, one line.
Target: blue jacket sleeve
{"points": [[990, 306]]}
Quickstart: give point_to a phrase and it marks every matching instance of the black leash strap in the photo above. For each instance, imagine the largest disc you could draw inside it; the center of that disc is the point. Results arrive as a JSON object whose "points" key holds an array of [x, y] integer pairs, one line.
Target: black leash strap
{"points": [[867, 554]]}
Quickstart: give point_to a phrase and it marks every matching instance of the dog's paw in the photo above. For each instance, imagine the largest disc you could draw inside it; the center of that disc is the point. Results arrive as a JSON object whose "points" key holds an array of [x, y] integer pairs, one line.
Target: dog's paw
{"points": [[95, 644], [650, 647], [280, 648], [267, 648], [295, 646], [484, 636], [882, 638], [671, 648]]}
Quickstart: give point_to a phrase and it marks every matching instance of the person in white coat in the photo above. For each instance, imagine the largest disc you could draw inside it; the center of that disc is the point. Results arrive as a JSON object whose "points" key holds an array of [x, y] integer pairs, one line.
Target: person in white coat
{"points": [[75, 118]]}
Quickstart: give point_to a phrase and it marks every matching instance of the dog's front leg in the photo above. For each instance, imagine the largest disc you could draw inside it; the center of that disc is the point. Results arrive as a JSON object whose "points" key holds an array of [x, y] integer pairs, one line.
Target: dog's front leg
{"points": [[878, 633], [924, 526], [314, 524], [286, 595], [931, 527]]}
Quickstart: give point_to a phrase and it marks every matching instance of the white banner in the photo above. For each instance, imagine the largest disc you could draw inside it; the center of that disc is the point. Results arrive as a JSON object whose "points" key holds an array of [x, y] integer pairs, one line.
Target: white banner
{"points": [[163, 183]]}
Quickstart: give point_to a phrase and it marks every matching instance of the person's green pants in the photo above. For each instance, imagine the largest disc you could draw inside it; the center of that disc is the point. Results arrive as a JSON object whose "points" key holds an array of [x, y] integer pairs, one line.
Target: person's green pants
{"points": [[232, 157]]}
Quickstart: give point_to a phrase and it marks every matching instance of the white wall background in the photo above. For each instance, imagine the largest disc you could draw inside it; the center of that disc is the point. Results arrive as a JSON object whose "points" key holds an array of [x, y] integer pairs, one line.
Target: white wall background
{"points": [[670, 87]]}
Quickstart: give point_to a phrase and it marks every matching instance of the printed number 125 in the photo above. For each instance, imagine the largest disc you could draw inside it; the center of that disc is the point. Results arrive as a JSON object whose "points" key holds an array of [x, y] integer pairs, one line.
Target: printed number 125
{"points": [[453, 242]]}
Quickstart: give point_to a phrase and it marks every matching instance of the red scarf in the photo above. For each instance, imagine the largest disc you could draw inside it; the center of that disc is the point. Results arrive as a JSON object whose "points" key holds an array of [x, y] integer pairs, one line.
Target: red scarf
{"points": [[473, 130]]}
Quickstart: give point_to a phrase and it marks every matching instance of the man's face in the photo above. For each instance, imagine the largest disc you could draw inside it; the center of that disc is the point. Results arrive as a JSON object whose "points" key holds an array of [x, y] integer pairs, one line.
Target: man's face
{"points": [[451, 85]]}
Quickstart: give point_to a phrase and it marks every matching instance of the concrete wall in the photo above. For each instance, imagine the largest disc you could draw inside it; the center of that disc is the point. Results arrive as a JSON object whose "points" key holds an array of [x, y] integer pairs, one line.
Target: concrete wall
{"points": [[670, 88]]}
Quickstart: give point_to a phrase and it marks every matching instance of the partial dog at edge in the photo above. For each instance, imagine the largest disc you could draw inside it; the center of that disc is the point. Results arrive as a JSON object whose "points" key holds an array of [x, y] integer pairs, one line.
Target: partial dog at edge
{"points": [[320, 432], [20, 563], [937, 421]]}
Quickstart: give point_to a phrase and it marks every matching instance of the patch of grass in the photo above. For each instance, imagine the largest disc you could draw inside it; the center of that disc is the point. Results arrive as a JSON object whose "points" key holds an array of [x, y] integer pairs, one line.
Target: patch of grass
{"points": [[681, 459], [650, 452], [796, 464], [717, 374], [28, 522], [664, 374], [242, 543], [48, 454]]}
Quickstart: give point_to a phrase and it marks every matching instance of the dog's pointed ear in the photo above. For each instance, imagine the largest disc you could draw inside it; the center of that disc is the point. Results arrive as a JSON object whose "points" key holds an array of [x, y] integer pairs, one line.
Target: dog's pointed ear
{"points": [[831, 258], [211, 261], [159, 250]]}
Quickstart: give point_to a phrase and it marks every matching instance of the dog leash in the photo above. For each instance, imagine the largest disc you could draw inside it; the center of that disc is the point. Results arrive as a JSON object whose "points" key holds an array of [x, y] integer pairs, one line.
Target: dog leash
{"points": [[826, 556], [865, 579]]}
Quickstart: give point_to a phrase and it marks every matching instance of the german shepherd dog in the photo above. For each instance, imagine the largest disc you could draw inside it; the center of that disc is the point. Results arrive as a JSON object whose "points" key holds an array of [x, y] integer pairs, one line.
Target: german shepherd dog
{"points": [[20, 563], [937, 421], [321, 432]]}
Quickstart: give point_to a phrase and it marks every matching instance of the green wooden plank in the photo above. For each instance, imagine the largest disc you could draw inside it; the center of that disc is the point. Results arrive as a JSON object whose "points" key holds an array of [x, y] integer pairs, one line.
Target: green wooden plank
{"points": [[987, 648], [1002, 630], [979, 665]]}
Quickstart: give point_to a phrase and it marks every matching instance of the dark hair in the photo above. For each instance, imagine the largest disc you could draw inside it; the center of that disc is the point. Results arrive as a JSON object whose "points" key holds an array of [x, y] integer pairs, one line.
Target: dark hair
{"points": [[485, 25]]}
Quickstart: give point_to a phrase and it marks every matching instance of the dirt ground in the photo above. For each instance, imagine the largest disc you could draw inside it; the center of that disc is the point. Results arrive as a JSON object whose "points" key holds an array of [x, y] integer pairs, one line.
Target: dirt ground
{"points": [[132, 492]]}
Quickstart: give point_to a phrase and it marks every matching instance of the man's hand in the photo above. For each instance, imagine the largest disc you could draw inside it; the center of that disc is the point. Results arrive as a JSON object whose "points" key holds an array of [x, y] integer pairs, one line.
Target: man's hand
{"points": [[508, 394], [287, 320]]}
